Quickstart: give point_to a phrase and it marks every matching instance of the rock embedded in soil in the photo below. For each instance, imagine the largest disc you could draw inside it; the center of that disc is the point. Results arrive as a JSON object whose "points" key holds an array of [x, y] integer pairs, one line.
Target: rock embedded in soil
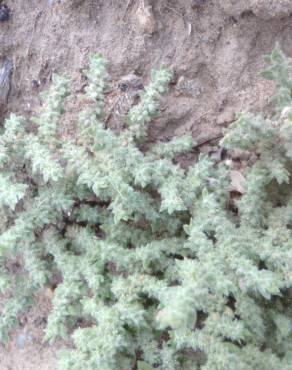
{"points": [[238, 182], [5, 81], [190, 87], [130, 80], [4, 13], [145, 20]]}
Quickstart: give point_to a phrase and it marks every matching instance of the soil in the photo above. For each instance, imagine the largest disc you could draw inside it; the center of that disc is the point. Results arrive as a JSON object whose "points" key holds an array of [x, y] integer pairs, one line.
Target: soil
{"points": [[215, 47]]}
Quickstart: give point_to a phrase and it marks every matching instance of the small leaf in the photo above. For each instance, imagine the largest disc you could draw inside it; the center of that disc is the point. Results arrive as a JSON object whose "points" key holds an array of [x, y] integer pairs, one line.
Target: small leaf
{"points": [[142, 365], [268, 75]]}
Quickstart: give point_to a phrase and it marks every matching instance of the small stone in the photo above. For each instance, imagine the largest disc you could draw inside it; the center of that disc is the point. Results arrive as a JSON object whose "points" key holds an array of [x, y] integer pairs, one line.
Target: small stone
{"points": [[145, 19], [5, 79], [189, 86], [228, 163], [129, 85], [21, 341], [219, 155], [204, 39], [35, 84], [4, 13], [238, 182], [23, 338], [130, 81]]}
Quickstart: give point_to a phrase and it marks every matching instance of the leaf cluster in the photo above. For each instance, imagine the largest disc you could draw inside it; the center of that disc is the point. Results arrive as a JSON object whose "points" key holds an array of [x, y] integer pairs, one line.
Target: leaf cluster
{"points": [[157, 270]]}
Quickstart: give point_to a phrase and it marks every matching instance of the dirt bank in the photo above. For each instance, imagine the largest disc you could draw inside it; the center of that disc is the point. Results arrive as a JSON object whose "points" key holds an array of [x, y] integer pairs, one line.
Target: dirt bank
{"points": [[215, 48]]}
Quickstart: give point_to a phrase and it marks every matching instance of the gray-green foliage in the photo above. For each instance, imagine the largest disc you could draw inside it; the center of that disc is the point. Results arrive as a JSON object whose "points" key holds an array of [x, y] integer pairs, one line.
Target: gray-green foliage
{"points": [[158, 271]]}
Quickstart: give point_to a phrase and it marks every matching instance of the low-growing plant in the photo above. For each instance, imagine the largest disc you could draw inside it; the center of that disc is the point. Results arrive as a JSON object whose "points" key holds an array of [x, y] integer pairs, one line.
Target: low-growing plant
{"points": [[157, 270]]}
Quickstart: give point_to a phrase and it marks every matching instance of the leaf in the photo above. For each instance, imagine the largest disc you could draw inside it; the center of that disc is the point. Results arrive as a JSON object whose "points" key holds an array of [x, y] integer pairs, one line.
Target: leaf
{"points": [[268, 75], [142, 365]]}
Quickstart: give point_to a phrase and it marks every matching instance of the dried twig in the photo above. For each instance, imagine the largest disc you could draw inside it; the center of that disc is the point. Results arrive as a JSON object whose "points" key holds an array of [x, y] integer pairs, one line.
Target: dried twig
{"points": [[36, 20], [207, 141]]}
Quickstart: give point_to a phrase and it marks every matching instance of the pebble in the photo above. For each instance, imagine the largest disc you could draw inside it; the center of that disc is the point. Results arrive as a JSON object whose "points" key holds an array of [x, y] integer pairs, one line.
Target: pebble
{"points": [[145, 20], [22, 339], [189, 86], [5, 79], [219, 155], [130, 81], [238, 182], [4, 13]]}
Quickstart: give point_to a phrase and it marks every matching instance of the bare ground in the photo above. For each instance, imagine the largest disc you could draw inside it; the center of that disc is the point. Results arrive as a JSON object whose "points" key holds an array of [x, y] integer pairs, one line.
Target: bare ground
{"points": [[214, 46]]}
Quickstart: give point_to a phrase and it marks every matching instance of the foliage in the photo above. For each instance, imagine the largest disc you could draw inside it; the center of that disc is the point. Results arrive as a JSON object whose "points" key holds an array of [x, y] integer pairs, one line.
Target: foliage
{"points": [[158, 270]]}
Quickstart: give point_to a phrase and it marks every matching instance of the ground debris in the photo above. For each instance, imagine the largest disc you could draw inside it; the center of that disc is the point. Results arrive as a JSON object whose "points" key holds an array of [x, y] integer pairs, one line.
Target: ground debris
{"points": [[5, 80]]}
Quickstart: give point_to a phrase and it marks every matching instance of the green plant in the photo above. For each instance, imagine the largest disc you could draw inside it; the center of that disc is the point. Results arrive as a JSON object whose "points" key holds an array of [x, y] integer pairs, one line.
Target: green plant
{"points": [[158, 271]]}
